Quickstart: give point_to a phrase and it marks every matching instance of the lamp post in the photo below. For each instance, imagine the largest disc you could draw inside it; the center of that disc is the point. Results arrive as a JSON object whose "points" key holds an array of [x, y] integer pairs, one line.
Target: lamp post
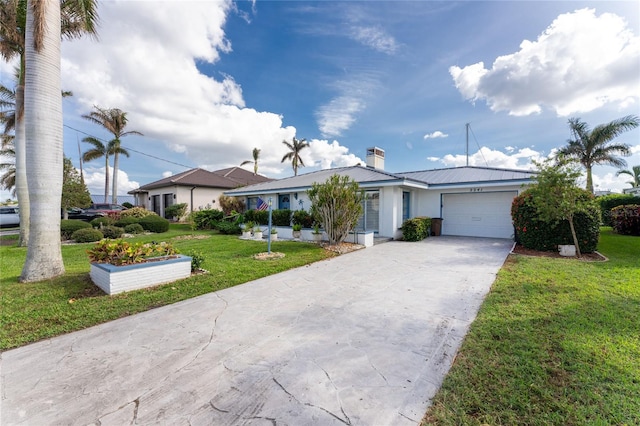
{"points": [[269, 231]]}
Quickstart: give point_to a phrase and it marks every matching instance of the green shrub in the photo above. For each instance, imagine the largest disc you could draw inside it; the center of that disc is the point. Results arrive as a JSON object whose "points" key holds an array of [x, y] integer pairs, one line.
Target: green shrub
{"points": [[536, 234], [608, 202], [87, 235], [127, 205], [126, 220], [155, 224], [229, 228], [121, 252], [99, 222], [205, 219], [626, 219], [69, 226], [261, 217], [175, 211], [302, 217], [138, 212], [416, 229], [197, 259], [134, 228], [112, 232], [281, 217]]}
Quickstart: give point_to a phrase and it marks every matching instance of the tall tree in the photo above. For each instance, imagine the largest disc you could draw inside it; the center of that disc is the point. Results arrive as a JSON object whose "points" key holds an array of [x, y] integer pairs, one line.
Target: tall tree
{"points": [[77, 17], [256, 155], [74, 191], [294, 153], [591, 147], [8, 164], [115, 121], [635, 176], [101, 150]]}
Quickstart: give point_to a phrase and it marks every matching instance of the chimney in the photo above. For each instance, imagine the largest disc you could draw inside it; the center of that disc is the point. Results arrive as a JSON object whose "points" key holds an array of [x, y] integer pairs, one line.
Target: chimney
{"points": [[375, 158]]}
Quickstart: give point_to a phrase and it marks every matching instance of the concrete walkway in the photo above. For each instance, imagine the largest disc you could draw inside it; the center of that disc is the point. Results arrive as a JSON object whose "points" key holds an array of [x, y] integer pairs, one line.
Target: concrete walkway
{"points": [[362, 339]]}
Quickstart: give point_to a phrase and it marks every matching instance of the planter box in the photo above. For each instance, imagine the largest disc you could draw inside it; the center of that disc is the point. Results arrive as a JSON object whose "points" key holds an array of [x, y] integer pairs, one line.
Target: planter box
{"points": [[117, 279]]}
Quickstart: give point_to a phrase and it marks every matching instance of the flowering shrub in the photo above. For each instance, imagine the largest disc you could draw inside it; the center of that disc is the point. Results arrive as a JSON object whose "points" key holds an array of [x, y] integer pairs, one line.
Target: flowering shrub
{"points": [[121, 252], [626, 219], [536, 234], [138, 212]]}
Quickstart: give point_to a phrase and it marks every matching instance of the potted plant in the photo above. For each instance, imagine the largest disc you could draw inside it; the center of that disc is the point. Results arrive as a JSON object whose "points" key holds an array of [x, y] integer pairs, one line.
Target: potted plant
{"points": [[257, 233], [117, 265], [246, 231], [297, 230], [274, 234], [317, 233]]}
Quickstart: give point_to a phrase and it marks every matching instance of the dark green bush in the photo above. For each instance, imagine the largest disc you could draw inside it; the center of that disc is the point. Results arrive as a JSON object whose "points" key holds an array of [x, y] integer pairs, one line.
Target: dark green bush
{"points": [[607, 202], [261, 217], [206, 219], [536, 234], [281, 217], [175, 211], [102, 221], [126, 220], [302, 217], [626, 219], [416, 229], [87, 235], [69, 226], [155, 224], [127, 205], [229, 228], [112, 232], [134, 228]]}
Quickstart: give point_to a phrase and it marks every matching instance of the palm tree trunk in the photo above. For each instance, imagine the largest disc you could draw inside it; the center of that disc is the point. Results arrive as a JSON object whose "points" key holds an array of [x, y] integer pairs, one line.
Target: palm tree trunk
{"points": [[589, 180], [22, 190], [106, 179], [44, 147], [114, 189]]}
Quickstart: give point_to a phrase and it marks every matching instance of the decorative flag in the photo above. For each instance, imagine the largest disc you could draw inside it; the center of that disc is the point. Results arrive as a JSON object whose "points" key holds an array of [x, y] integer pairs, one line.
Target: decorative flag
{"points": [[262, 205]]}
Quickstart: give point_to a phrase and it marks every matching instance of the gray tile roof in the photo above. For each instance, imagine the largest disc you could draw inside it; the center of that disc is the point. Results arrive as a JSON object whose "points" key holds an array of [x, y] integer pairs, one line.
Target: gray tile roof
{"points": [[232, 177]]}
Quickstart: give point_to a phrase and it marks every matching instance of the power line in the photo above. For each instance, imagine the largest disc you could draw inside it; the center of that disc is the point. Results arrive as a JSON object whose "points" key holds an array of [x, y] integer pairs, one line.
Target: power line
{"points": [[130, 149]]}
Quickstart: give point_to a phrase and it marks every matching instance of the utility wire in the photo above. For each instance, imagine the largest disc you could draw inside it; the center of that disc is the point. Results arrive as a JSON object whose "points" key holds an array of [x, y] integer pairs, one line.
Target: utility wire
{"points": [[478, 145], [130, 149]]}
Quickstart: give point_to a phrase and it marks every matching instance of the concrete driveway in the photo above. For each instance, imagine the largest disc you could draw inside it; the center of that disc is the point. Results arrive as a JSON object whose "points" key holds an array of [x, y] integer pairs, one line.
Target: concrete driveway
{"points": [[362, 339]]}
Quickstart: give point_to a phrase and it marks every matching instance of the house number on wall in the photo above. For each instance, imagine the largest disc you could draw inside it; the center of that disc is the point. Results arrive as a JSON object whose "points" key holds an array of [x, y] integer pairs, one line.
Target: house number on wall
{"points": [[475, 189]]}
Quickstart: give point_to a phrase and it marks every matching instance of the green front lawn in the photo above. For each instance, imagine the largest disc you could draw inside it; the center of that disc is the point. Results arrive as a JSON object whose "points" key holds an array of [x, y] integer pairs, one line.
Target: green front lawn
{"points": [[30, 312], [556, 342]]}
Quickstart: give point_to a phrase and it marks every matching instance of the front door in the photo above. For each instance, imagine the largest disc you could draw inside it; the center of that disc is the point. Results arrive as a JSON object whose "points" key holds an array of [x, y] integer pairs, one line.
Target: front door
{"points": [[284, 201]]}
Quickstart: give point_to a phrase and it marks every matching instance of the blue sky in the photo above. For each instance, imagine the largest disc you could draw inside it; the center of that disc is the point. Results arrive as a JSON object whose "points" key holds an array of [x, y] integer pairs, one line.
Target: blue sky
{"points": [[206, 82]]}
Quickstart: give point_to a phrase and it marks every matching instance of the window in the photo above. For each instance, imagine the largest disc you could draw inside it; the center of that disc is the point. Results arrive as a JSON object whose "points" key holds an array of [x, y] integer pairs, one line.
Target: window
{"points": [[406, 205], [252, 203], [370, 219]]}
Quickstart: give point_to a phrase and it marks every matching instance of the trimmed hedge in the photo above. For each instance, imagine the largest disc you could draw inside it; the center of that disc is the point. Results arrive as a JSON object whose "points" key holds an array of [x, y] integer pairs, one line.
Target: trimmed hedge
{"points": [[260, 217], [112, 232], [536, 234], [155, 224], [87, 235], [626, 219], [281, 217], [302, 217], [126, 220], [206, 219], [229, 228], [608, 202], [416, 229], [102, 221], [138, 212], [69, 226], [134, 228]]}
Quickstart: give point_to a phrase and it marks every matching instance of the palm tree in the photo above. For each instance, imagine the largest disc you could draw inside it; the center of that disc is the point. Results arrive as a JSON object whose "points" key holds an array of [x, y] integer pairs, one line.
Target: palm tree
{"points": [[294, 155], [114, 120], [8, 178], [77, 17], [635, 175], [256, 155], [591, 147], [100, 150]]}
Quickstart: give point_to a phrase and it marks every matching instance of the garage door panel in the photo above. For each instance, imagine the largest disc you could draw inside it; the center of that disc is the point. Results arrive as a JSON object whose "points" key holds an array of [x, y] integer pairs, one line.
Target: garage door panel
{"points": [[486, 214]]}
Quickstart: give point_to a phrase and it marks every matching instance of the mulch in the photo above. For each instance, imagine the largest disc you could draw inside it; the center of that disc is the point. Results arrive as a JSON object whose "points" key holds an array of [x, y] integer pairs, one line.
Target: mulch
{"points": [[586, 257]]}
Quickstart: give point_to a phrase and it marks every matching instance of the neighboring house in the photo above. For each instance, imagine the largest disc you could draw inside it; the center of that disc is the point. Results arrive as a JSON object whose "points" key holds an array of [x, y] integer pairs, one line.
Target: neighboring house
{"points": [[198, 188], [633, 191], [99, 198], [473, 201]]}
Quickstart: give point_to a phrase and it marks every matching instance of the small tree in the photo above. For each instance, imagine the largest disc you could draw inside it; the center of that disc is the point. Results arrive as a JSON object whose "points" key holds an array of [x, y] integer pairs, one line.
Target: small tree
{"points": [[556, 196], [336, 205], [231, 204], [74, 190]]}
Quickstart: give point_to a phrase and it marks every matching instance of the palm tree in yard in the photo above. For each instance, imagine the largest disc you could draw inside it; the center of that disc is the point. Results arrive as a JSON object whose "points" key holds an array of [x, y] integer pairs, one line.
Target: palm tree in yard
{"points": [[256, 155], [294, 153], [101, 150], [77, 17], [591, 147], [635, 176], [115, 121]]}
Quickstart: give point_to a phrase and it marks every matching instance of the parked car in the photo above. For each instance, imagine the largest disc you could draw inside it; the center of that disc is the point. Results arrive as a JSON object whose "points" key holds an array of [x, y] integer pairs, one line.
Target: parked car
{"points": [[9, 216], [105, 208], [80, 214]]}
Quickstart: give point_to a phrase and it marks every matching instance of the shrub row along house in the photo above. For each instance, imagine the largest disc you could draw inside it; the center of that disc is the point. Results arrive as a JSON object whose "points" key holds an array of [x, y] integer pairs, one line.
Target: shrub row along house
{"points": [[472, 201]]}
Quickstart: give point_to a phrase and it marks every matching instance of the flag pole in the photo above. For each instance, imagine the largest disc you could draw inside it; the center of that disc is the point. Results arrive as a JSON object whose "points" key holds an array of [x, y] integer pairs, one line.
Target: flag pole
{"points": [[269, 231]]}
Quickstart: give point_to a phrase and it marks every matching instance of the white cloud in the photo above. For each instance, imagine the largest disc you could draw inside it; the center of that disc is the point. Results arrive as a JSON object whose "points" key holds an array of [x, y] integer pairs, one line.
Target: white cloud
{"points": [[375, 38], [579, 63], [94, 179], [435, 135], [167, 174], [434, 159], [327, 155], [486, 157]]}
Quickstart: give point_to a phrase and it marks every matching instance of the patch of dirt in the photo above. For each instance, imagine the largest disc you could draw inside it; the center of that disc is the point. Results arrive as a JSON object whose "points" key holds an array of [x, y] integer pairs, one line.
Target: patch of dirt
{"points": [[342, 248], [192, 237], [267, 256], [586, 257]]}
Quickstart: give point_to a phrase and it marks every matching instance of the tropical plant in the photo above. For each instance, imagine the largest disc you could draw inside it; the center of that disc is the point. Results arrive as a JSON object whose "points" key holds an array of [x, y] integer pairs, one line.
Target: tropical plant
{"points": [[74, 191], [175, 211], [591, 147], [337, 205], [231, 204], [294, 153], [121, 252], [256, 155], [76, 18], [8, 153], [115, 121], [99, 150], [635, 176]]}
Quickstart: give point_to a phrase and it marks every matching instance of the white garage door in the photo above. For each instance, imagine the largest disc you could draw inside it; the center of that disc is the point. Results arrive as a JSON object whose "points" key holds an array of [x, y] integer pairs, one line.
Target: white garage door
{"points": [[481, 214]]}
